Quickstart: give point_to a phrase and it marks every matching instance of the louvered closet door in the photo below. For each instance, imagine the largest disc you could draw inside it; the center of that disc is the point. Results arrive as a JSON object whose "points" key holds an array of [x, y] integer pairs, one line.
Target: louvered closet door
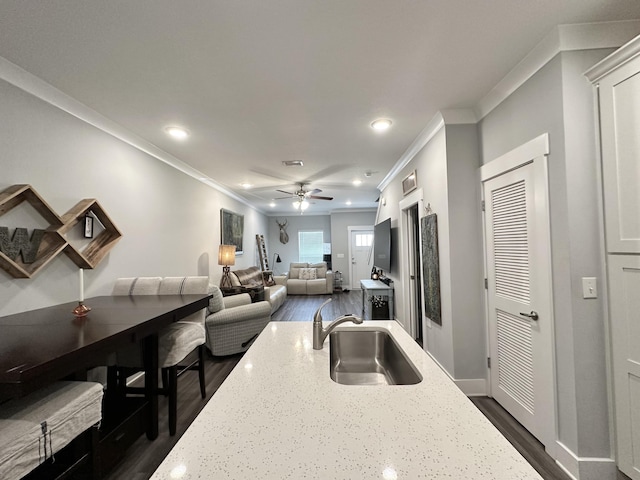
{"points": [[516, 311]]}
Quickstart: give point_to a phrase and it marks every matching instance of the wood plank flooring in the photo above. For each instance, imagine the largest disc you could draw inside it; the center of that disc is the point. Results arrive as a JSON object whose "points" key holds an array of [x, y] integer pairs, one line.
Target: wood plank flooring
{"points": [[144, 456]]}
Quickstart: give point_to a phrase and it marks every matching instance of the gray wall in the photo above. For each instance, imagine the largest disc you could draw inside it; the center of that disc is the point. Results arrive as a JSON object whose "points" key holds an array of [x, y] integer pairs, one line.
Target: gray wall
{"points": [[334, 227], [295, 223], [340, 221], [170, 221], [558, 100]]}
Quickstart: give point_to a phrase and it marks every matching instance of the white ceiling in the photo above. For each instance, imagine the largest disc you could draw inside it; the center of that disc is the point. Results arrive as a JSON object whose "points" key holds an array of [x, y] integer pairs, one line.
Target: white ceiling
{"points": [[258, 82]]}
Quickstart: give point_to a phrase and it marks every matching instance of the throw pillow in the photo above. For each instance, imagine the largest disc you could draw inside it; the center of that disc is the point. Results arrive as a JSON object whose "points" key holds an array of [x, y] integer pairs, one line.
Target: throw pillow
{"points": [[308, 273], [217, 301], [322, 269]]}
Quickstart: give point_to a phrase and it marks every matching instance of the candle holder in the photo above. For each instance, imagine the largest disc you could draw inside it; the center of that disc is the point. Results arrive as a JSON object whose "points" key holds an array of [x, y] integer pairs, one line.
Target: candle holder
{"points": [[81, 310]]}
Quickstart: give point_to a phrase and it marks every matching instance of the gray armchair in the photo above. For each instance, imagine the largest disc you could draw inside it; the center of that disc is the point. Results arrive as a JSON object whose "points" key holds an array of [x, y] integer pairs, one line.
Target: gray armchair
{"points": [[233, 322]]}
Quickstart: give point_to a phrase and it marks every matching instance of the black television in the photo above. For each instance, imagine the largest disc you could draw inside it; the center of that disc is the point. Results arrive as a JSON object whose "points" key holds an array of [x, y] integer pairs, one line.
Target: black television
{"points": [[382, 245]]}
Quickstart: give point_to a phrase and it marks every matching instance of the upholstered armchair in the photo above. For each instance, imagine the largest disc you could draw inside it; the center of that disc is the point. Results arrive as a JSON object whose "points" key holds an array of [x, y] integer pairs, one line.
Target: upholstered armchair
{"points": [[233, 322]]}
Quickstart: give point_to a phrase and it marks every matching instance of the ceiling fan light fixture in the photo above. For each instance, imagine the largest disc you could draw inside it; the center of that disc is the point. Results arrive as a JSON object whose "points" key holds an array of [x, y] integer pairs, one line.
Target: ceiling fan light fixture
{"points": [[381, 124], [300, 205], [179, 133]]}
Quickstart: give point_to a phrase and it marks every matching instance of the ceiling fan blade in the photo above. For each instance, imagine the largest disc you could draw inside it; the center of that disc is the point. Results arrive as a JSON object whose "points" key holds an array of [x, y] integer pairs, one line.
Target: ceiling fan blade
{"points": [[320, 198], [314, 191], [283, 198], [288, 193]]}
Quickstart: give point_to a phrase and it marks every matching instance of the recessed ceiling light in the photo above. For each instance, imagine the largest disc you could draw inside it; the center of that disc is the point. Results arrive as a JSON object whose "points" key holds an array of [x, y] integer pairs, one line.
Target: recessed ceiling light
{"points": [[381, 124], [272, 204], [357, 182], [178, 133], [246, 185], [292, 163], [348, 202]]}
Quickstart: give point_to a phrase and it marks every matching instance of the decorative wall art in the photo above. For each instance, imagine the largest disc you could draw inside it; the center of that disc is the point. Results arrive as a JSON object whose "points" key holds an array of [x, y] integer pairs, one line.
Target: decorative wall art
{"points": [[231, 229], [431, 268], [22, 256], [284, 236]]}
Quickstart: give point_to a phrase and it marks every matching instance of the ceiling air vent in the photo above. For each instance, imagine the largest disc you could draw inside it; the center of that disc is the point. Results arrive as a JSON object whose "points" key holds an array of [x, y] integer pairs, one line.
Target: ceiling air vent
{"points": [[292, 163]]}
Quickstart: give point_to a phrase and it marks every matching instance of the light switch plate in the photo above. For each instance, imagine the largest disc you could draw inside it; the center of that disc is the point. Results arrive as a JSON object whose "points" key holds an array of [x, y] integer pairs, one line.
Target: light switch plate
{"points": [[341, 255], [589, 287]]}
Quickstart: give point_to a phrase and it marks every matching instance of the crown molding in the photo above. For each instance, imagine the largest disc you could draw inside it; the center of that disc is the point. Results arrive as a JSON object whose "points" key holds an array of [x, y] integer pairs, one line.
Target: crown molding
{"points": [[624, 54], [35, 86], [585, 36], [436, 123], [459, 116]]}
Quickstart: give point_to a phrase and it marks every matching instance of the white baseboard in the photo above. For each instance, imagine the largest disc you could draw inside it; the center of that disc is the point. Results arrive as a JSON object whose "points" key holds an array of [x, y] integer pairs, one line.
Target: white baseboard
{"points": [[585, 468], [471, 387]]}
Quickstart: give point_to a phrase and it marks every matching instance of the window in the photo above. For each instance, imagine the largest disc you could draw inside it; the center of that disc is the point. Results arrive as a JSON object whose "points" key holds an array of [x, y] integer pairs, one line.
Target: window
{"points": [[310, 247], [364, 239]]}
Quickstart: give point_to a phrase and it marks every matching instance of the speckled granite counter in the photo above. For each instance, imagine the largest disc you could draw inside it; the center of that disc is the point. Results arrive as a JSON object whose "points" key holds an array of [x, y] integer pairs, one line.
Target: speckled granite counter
{"points": [[279, 415]]}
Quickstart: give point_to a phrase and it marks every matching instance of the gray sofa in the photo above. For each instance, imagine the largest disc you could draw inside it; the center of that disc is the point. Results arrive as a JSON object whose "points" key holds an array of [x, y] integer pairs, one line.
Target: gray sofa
{"points": [[309, 279], [274, 294]]}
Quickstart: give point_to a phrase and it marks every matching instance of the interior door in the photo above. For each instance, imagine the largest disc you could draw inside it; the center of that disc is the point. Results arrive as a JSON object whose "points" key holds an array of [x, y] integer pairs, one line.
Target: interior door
{"points": [[624, 289], [361, 256], [518, 265]]}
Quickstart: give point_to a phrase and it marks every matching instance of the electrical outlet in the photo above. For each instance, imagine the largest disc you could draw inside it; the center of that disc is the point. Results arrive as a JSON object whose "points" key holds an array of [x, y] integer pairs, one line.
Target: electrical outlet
{"points": [[589, 287]]}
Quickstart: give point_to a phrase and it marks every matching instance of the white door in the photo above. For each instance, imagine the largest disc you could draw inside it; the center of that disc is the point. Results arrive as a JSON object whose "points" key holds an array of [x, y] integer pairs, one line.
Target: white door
{"points": [[624, 291], [361, 242], [518, 265]]}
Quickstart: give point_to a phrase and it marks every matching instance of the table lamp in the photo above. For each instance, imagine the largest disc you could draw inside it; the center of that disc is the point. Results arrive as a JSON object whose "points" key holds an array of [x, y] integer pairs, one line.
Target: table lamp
{"points": [[226, 257]]}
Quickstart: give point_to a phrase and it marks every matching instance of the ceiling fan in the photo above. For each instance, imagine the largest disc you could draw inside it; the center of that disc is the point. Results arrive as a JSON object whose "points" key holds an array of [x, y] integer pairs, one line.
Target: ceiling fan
{"points": [[301, 195]]}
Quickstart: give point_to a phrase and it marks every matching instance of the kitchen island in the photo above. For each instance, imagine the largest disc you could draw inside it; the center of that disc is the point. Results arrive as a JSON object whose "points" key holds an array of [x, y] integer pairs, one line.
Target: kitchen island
{"points": [[280, 416]]}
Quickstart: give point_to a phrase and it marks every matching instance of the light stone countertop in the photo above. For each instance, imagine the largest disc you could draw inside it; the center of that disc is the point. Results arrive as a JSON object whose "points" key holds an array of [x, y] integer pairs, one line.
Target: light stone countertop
{"points": [[280, 416]]}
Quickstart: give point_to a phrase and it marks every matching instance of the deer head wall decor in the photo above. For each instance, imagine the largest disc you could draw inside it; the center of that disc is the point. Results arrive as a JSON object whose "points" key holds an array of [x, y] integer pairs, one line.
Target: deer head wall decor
{"points": [[284, 237]]}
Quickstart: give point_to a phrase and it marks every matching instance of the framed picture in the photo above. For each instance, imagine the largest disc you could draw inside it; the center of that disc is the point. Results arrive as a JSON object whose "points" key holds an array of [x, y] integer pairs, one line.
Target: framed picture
{"points": [[231, 229], [410, 183], [88, 226], [431, 268]]}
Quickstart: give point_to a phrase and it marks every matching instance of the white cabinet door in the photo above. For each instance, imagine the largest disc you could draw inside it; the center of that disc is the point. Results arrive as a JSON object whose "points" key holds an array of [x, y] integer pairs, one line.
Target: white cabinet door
{"points": [[620, 127], [624, 291]]}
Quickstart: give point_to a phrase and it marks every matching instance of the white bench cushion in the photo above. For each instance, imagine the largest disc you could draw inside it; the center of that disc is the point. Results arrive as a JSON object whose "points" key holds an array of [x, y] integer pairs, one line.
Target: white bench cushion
{"points": [[68, 408]]}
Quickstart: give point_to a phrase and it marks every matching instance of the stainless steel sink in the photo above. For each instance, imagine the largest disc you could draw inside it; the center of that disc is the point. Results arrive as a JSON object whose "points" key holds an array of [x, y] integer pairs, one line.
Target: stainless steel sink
{"points": [[369, 357]]}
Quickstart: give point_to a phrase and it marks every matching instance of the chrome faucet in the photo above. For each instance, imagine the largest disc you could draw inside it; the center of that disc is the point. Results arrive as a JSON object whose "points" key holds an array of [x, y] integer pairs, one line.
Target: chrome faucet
{"points": [[320, 334]]}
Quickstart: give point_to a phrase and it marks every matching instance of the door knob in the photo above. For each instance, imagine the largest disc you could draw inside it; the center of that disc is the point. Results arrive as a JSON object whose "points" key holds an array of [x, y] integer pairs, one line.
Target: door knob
{"points": [[533, 315]]}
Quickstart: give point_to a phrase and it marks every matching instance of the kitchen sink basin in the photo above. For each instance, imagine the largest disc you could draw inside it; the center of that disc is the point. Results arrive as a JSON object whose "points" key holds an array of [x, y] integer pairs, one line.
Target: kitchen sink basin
{"points": [[369, 357]]}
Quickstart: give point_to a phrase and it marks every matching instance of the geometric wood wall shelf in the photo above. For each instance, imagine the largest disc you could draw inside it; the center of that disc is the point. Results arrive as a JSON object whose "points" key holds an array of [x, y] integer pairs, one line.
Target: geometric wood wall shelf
{"points": [[95, 251], [52, 241]]}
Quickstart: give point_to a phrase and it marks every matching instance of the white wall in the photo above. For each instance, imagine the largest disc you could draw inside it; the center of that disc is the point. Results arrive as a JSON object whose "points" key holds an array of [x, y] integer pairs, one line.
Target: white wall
{"points": [[170, 221]]}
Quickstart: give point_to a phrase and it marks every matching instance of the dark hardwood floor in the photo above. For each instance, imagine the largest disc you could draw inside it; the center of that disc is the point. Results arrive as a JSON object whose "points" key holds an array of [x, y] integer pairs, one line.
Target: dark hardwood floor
{"points": [[144, 456]]}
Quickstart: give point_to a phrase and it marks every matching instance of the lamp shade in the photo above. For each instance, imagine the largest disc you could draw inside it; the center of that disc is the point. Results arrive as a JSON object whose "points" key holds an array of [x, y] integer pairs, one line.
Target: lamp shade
{"points": [[227, 255]]}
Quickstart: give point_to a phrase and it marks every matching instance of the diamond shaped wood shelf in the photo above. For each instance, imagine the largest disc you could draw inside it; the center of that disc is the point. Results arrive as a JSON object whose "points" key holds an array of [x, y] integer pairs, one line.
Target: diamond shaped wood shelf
{"points": [[52, 242], [93, 253]]}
